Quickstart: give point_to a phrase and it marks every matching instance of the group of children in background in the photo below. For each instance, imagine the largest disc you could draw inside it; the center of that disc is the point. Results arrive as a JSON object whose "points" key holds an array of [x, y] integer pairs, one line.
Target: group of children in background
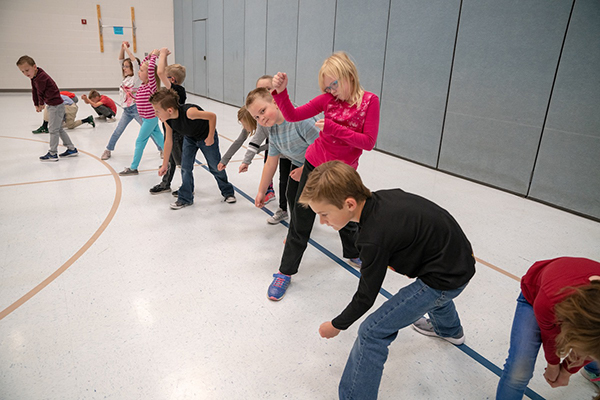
{"points": [[380, 231]]}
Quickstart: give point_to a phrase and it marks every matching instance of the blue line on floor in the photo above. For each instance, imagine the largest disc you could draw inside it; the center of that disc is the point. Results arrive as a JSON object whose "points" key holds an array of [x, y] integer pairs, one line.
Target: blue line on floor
{"points": [[463, 347]]}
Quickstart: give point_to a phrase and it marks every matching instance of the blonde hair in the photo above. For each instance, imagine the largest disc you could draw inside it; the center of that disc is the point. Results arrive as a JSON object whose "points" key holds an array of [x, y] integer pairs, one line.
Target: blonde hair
{"points": [[341, 67], [332, 183], [579, 318], [270, 77], [177, 71], [258, 93], [165, 98], [247, 120]]}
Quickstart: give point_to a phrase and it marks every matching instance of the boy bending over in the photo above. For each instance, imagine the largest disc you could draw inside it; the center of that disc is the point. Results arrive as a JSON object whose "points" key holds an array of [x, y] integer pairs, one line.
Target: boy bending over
{"points": [[198, 128], [411, 235]]}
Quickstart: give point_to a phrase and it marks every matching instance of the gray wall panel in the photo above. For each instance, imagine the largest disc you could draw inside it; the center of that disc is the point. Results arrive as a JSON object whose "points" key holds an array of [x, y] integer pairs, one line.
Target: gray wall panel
{"points": [[188, 45], [361, 32], [315, 44], [215, 50], [178, 30], [506, 57], [233, 60], [255, 41], [199, 9], [567, 172], [282, 37], [418, 61]]}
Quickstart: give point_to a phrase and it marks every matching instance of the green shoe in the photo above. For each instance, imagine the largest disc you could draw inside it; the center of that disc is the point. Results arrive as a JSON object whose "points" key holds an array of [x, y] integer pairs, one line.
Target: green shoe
{"points": [[90, 120], [41, 129]]}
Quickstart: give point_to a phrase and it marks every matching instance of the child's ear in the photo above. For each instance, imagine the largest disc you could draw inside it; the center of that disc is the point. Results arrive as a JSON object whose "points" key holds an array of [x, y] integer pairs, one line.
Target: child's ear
{"points": [[351, 203]]}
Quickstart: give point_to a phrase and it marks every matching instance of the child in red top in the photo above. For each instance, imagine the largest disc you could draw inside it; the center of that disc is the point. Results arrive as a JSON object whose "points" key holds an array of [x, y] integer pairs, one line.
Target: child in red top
{"points": [[103, 105], [557, 309]]}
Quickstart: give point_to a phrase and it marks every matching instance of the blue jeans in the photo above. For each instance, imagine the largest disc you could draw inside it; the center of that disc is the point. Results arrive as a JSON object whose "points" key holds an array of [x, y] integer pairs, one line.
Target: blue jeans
{"points": [[213, 156], [129, 114], [148, 129], [362, 374], [525, 342]]}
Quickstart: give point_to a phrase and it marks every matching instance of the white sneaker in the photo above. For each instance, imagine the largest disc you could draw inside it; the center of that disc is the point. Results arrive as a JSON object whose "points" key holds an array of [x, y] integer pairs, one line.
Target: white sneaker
{"points": [[105, 155], [111, 119], [425, 327], [230, 199], [276, 218]]}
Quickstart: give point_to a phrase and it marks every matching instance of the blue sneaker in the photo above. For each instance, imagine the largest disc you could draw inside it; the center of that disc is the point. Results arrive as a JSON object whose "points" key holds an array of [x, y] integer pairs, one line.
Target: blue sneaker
{"points": [[49, 157], [590, 376], [355, 262], [278, 286], [69, 153]]}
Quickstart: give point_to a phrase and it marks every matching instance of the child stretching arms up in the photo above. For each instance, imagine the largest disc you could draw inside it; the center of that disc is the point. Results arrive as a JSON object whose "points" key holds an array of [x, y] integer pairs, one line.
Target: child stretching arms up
{"points": [[150, 84], [351, 125], [558, 308], [411, 235]]}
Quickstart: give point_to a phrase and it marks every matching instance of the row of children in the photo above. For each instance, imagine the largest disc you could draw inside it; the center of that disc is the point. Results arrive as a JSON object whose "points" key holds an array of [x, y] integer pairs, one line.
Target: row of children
{"points": [[388, 229]]}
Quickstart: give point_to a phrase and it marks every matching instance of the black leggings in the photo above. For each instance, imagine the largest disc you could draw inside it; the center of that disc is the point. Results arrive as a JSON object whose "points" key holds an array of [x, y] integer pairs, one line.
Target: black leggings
{"points": [[301, 224]]}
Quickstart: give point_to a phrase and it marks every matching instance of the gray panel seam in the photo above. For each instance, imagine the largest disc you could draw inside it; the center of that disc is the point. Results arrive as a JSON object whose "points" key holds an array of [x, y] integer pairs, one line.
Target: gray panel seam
{"points": [[334, 26], [297, 37], [266, 36], [437, 163], [539, 146], [387, 34]]}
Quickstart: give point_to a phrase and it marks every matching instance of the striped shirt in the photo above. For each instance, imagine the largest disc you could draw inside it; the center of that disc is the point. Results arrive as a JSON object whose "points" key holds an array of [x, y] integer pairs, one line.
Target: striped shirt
{"points": [[146, 90], [291, 139]]}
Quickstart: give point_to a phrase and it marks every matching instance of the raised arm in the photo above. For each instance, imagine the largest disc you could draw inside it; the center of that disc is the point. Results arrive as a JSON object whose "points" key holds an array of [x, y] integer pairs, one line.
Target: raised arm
{"points": [[293, 114], [162, 66]]}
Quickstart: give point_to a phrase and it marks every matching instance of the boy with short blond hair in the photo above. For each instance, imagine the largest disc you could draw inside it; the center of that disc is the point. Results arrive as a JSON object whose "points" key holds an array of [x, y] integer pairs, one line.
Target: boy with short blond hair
{"points": [[45, 94], [104, 106], [410, 235], [198, 128], [175, 73]]}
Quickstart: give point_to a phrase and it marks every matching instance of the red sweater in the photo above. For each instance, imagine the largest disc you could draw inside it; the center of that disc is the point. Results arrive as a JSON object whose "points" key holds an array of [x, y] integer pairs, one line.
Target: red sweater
{"points": [[108, 102], [44, 89], [542, 287]]}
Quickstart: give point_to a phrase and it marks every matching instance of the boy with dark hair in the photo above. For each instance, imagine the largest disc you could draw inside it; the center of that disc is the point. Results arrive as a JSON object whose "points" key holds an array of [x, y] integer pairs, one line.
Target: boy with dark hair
{"points": [[45, 93], [104, 106], [198, 128], [411, 235], [171, 76]]}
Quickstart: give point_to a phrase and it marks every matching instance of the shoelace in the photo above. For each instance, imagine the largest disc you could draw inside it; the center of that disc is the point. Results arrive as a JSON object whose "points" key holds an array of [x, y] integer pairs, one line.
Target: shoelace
{"points": [[279, 282]]}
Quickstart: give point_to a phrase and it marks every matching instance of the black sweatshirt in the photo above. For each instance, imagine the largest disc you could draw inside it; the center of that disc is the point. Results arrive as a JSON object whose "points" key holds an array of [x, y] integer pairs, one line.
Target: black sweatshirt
{"points": [[413, 236]]}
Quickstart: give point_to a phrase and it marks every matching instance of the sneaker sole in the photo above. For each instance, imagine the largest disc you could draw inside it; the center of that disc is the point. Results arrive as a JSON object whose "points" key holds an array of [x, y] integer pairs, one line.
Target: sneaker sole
{"points": [[70, 155], [162, 191], [50, 160], [179, 208], [456, 342], [275, 298]]}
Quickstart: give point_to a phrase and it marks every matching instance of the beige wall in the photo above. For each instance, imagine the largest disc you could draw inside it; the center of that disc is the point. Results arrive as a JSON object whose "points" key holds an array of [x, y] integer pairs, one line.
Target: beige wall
{"points": [[51, 32]]}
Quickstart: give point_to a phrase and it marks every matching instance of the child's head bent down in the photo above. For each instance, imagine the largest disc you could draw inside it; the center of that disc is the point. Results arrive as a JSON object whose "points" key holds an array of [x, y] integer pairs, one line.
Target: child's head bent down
{"points": [[338, 75], [261, 105], [27, 66], [247, 121], [165, 103], [336, 193], [579, 318]]}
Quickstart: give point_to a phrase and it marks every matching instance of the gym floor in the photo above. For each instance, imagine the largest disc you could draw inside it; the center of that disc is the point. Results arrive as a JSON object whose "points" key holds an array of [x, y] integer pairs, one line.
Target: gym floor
{"points": [[105, 292]]}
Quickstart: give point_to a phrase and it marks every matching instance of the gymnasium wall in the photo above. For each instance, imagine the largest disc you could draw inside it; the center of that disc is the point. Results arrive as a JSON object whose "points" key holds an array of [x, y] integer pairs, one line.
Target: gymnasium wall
{"points": [[502, 92], [51, 32]]}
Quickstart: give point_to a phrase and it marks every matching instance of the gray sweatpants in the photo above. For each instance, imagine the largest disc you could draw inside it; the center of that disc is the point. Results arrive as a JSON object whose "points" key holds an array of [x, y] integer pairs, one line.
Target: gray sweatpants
{"points": [[56, 114]]}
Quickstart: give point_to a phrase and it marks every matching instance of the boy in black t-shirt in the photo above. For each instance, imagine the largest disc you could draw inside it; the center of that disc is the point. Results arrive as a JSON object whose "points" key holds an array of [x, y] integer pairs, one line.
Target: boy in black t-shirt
{"points": [[171, 76], [198, 128], [411, 235]]}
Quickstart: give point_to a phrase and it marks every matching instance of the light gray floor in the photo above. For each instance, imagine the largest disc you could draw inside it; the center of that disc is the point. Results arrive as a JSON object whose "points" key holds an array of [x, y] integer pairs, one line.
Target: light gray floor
{"points": [[160, 304]]}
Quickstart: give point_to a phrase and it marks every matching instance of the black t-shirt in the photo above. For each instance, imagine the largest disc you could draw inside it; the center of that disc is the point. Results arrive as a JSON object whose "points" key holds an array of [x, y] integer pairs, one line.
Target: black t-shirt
{"points": [[414, 237], [181, 92], [196, 129]]}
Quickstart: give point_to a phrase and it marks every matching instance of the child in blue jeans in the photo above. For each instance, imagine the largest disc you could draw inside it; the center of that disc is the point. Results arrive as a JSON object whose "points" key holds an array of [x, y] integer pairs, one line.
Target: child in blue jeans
{"points": [[557, 310], [198, 128], [411, 235]]}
